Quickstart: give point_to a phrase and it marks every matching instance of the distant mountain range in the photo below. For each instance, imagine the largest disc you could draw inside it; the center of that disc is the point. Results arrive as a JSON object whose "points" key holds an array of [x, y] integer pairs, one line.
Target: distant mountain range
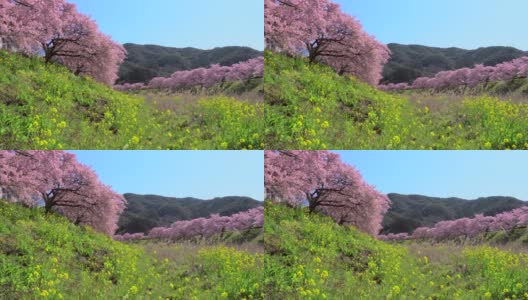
{"points": [[145, 62], [409, 212], [409, 62], [145, 212]]}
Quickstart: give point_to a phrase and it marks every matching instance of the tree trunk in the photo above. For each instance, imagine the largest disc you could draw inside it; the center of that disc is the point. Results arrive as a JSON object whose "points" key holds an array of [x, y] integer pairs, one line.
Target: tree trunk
{"points": [[48, 203], [312, 202]]}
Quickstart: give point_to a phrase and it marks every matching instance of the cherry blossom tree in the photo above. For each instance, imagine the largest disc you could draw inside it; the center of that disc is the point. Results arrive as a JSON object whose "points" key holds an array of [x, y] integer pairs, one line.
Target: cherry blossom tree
{"points": [[56, 30], [326, 184], [319, 29], [59, 183]]}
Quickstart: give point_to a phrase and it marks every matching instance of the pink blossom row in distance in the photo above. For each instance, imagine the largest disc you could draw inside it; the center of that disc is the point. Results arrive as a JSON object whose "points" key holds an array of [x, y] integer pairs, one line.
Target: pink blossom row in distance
{"points": [[202, 227], [470, 77], [469, 227], [204, 77]]}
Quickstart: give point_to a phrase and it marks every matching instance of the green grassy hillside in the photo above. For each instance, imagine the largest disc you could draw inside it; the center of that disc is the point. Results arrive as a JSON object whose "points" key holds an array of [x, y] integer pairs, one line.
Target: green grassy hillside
{"points": [[143, 212], [43, 106], [46, 257], [311, 257], [408, 212], [309, 106]]}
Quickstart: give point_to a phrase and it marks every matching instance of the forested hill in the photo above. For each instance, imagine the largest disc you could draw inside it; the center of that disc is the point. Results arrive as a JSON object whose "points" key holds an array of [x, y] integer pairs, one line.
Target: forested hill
{"points": [[145, 62], [409, 212], [144, 212], [409, 62]]}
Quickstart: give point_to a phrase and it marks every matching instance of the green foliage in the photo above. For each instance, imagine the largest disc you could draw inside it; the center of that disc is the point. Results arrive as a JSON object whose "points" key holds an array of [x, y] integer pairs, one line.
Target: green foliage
{"points": [[308, 256], [43, 256], [44, 106], [309, 106], [143, 212], [145, 62], [408, 212]]}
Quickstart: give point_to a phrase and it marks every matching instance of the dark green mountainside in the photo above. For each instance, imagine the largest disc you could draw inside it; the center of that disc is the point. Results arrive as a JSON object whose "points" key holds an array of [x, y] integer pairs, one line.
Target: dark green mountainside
{"points": [[144, 212], [145, 62], [409, 212], [409, 62]]}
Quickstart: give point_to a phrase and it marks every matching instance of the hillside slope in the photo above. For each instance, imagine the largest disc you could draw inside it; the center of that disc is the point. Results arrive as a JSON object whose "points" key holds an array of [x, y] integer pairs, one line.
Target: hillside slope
{"points": [[143, 212], [309, 256], [145, 62], [43, 256], [44, 106], [311, 107], [408, 212], [409, 62]]}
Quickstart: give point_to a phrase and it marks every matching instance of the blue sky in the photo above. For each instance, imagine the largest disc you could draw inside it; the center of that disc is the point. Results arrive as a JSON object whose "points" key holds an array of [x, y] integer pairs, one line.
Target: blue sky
{"points": [[465, 174], [200, 174], [443, 23], [201, 24]]}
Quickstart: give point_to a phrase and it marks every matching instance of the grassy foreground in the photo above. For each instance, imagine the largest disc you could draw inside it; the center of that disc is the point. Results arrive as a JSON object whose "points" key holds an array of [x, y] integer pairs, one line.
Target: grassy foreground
{"points": [[44, 106], [46, 257], [311, 257], [309, 106]]}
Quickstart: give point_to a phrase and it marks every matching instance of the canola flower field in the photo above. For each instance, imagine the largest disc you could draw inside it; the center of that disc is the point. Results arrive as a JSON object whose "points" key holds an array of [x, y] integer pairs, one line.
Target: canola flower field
{"points": [[309, 106], [44, 106], [44, 256], [308, 256]]}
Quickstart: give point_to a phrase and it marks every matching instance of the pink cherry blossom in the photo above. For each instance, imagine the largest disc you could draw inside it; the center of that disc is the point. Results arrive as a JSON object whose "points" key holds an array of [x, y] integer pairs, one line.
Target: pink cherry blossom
{"points": [[58, 32], [326, 184], [62, 184], [323, 32]]}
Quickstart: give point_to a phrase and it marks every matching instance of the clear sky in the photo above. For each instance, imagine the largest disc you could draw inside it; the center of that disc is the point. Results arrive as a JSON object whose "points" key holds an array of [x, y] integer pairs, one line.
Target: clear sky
{"points": [[443, 23], [203, 24], [200, 174], [464, 174]]}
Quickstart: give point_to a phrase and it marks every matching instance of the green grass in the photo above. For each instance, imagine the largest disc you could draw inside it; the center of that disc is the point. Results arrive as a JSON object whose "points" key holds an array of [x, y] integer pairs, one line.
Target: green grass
{"points": [[308, 256], [43, 106], [43, 256], [309, 106]]}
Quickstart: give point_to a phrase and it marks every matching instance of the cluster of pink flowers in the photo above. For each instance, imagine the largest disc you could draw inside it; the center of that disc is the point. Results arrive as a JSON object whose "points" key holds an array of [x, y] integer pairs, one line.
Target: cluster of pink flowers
{"points": [[203, 77], [129, 86], [394, 86], [203, 227], [468, 227], [394, 236], [129, 236], [470, 77]]}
